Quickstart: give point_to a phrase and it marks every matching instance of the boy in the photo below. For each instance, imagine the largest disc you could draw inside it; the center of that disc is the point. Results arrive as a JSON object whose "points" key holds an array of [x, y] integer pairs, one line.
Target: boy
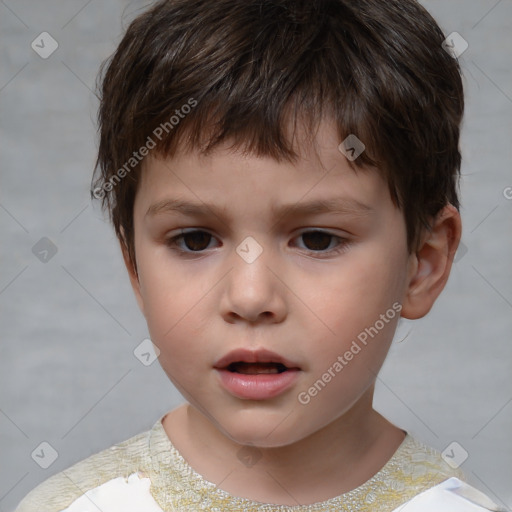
{"points": [[265, 127]]}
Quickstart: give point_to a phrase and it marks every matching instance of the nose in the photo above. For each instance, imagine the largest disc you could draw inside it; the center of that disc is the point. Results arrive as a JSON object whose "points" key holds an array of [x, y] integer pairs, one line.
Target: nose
{"points": [[253, 290]]}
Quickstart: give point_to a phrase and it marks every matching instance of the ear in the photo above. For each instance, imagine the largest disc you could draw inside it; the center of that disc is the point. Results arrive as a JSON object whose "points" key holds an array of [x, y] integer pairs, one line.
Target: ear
{"points": [[132, 273], [430, 265]]}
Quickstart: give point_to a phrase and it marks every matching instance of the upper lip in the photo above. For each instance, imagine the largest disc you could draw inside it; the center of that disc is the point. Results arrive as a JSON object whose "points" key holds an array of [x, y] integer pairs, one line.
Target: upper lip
{"points": [[253, 356]]}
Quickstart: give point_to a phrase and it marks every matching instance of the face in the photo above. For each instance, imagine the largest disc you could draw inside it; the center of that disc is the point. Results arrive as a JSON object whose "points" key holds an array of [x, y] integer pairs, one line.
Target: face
{"points": [[307, 261]]}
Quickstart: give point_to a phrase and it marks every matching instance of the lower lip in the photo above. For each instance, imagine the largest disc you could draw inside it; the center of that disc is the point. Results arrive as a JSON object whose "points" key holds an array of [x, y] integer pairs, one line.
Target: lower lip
{"points": [[257, 387]]}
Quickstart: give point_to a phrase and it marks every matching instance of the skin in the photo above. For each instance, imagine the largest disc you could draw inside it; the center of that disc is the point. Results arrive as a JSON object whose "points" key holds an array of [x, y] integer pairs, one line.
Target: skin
{"points": [[304, 301]]}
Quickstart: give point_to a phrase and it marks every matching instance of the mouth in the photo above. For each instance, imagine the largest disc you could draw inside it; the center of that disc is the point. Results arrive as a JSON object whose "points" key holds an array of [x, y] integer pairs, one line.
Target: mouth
{"points": [[256, 375], [255, 362], [256, 368]]}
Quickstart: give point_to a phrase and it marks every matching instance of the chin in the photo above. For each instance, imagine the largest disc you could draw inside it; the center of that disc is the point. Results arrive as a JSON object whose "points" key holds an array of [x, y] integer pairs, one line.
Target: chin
{"points": [[261, 430]]}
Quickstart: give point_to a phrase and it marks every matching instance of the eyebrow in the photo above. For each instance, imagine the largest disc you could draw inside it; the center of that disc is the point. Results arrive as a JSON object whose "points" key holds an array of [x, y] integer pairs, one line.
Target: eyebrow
{"points": [[338, 205]]}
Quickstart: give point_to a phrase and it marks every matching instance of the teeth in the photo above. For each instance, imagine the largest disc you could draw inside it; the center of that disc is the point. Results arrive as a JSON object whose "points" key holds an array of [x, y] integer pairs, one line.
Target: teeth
{"points": [[256, 368]]}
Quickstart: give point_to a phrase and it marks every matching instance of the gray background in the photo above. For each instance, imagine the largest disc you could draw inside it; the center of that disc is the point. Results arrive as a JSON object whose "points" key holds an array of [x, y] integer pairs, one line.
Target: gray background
{"points": [[69, 326]]}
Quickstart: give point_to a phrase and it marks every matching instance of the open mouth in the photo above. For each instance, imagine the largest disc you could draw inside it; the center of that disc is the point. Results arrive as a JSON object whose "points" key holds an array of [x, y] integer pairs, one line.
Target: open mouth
{"points": [[256, 368], [256, 374]]}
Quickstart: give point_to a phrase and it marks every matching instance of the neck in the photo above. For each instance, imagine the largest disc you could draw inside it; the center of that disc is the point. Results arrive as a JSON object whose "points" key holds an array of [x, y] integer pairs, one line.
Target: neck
{"points": [[334, 460]]}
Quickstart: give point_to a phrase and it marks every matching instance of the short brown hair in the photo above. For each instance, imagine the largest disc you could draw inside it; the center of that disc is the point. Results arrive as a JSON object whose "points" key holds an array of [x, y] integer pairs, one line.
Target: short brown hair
{"points": [[244, 68]]}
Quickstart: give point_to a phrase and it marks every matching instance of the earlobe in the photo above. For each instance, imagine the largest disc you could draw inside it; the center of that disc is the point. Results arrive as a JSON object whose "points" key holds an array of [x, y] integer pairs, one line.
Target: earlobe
{"points": [[133, 275], [431, 264]]}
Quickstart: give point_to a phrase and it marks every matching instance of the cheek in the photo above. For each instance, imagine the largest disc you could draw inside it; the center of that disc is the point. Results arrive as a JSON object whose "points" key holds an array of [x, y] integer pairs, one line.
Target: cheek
{"points": [[359, 306], [363, 288], [346, 367], [170, 300]]}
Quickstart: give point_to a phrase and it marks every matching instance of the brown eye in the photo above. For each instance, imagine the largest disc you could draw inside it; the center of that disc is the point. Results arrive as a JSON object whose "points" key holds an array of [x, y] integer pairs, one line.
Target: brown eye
{"points": [[197, 240], [322, 244], [193, 241], [317, 240]]}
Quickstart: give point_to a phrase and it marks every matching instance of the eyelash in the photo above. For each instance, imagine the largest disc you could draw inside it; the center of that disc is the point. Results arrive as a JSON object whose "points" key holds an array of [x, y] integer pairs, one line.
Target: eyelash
{"points": [[172, 243]]}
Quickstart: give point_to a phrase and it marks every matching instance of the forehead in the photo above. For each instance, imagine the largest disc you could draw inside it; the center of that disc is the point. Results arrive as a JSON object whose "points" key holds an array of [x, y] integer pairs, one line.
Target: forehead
{"points": [[230, 179], [311, 141]]}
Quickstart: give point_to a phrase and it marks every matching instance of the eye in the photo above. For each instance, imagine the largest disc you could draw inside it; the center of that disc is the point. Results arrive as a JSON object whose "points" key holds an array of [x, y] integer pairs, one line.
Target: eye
{"points": [[195, 241], [320, 242]]}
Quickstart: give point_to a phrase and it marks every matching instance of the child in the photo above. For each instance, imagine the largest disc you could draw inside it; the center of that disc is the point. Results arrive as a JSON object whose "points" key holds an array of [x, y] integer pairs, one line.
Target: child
{"points": [[264, 127]]}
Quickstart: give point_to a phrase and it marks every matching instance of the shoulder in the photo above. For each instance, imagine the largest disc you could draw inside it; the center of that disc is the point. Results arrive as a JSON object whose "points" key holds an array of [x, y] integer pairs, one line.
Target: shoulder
{"points": [[59, 491], [425, 464], [418, 477], [414, 468], [452, 495]]}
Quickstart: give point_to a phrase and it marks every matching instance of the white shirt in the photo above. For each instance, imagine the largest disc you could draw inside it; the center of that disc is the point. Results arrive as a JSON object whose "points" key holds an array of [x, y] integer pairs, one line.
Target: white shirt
{"points": [[133, 495]]}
